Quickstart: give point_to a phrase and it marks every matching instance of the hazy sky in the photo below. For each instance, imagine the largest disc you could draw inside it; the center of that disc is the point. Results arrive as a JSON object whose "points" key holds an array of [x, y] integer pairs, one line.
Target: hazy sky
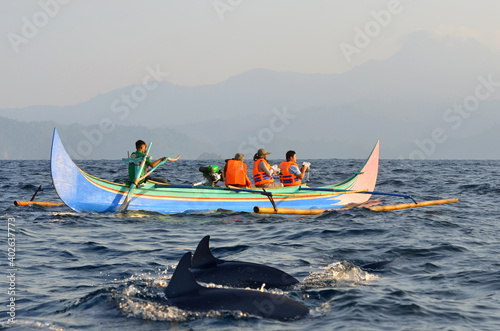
{"points": [[62, 52]]}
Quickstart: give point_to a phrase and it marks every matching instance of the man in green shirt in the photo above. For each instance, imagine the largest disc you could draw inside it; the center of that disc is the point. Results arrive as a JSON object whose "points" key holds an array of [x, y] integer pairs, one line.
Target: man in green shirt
{"points": [[141, 147]]}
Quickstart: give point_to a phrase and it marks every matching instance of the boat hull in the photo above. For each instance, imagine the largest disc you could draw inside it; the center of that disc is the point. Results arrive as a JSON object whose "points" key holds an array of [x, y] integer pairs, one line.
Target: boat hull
{"points": [[86, 193]]}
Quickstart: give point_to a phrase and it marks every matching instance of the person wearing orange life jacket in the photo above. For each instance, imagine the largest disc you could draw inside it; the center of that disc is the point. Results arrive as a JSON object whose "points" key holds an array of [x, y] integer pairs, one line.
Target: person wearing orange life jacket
{"points": [[263, 172], [290, 173], [235, 172]]}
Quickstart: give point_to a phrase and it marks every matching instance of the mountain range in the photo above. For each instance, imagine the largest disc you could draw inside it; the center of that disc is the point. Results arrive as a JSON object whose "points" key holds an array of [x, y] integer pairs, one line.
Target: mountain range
{"points": [[421, 103]]}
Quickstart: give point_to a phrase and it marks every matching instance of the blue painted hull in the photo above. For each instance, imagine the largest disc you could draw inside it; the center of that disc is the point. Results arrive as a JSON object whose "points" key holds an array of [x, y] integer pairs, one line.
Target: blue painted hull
{"points": [[86, 193]]}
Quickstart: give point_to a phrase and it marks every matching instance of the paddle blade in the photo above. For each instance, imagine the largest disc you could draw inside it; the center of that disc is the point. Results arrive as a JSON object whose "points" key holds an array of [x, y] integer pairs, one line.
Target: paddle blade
{"points": [[128, 198]]}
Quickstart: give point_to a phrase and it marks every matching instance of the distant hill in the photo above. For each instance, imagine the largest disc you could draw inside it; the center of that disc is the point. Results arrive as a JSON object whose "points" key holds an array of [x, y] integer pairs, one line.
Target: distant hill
{"points": [[32, 140], [401, 100], [351, 137]]}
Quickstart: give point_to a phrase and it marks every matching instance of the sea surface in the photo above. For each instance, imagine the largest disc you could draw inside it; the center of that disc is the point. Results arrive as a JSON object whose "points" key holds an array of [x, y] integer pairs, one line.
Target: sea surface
{"points": [[75, 271]]}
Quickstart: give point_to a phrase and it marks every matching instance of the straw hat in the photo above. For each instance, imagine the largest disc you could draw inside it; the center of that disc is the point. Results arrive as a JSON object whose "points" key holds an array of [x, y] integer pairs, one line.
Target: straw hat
{"points": [[262, 152]]}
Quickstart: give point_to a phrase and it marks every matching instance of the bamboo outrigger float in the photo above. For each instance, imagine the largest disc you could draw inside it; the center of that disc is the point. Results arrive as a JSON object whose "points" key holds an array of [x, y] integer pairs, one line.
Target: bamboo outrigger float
{"points": [[294, 211], [21, 203]]}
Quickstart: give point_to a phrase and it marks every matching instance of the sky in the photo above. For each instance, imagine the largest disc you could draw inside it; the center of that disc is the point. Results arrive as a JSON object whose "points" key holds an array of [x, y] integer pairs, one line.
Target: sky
{"points": [[63, 52]]}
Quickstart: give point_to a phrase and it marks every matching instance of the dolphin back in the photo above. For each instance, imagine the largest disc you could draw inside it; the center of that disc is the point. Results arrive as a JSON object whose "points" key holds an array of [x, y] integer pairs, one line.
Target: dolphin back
{"points": [[245, 274], [208, 269]]}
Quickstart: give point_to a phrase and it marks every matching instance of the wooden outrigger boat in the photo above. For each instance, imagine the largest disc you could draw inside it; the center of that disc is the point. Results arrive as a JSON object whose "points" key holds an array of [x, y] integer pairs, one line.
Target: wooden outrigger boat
{"points": [[83, 192]]}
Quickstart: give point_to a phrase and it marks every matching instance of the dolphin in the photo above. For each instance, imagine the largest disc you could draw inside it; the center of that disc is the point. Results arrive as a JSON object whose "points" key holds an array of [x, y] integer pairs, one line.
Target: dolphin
{"points": [[208, 269], [184, 292]]}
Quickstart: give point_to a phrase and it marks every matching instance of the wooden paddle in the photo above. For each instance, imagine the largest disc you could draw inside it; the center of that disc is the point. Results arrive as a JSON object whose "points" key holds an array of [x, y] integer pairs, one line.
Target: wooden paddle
{"points": [[269, 195], [130, 193], [154, 168]]}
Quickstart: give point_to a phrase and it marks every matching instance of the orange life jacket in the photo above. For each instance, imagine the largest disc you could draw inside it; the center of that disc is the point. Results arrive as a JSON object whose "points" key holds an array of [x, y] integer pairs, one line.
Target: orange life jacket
{"points": [[260, 177], [286, 177], [236, 173]]}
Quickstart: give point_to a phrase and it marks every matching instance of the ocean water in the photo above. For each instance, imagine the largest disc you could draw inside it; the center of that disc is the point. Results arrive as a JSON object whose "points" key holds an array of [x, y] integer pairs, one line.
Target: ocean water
{"points": [[108, 271]]}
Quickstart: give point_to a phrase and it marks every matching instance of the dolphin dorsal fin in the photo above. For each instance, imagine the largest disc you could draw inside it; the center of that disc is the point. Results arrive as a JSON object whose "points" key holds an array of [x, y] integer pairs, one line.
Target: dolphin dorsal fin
{"points": [[182, 281], [203, 257]]}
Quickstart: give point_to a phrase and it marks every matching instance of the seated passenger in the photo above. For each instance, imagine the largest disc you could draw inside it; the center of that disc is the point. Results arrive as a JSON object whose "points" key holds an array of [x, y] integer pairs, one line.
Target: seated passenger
{"points": [[235, 172], [263, 172], [290, 174]]}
